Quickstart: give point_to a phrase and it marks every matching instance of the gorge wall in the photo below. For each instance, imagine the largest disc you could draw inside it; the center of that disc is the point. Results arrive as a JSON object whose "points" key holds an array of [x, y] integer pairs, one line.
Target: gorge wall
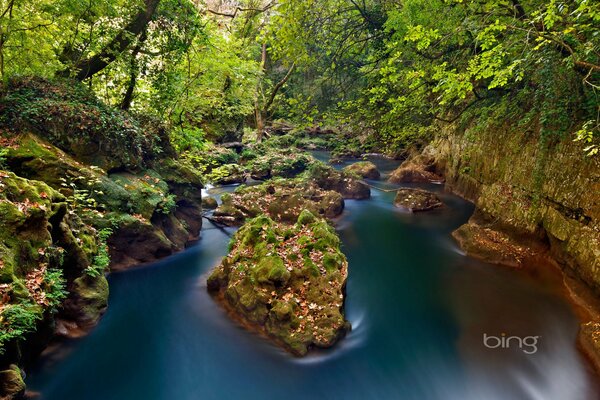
{"points": [[550, 192]]}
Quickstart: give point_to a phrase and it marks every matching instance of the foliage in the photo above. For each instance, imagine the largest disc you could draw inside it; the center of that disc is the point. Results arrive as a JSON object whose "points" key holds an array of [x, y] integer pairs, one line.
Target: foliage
{"points": [[55, 288], [17, 320], [168, 205], [3, 154], [101, 260], [65, 112]]}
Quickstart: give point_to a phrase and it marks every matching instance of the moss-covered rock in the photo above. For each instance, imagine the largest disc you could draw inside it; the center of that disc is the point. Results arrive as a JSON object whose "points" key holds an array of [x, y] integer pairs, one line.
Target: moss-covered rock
{"points": [[282, 200], [88, 300], [493, 246], [90, 187], [416, 200], [363, 169], [12, 385], [410, 172], [286, 281], [345, 183], [279, 163], [210, 203]]}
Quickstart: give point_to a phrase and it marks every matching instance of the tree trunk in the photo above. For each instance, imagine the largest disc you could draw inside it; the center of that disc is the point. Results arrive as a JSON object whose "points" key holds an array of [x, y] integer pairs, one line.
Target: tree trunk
{"points": [[258, 111], [133, 72], [92, 65]]}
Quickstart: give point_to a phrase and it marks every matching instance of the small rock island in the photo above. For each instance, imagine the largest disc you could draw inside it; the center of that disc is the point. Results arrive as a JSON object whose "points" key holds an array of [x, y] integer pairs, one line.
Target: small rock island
{"points": [[286, 282]]}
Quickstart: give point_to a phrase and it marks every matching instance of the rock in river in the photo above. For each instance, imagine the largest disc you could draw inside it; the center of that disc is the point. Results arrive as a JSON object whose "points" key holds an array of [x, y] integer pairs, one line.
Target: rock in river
{"points": [[286, 282], [364, 169], [416, 200], [281, 199]]}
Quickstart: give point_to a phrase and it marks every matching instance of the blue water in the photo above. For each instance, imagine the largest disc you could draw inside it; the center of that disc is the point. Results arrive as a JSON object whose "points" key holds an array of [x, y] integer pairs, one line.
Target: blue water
{"points": [[419, 309]]}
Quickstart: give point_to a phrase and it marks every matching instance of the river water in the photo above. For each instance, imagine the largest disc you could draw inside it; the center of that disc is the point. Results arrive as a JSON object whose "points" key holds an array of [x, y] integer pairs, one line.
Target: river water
{"points": [[419, 310]]}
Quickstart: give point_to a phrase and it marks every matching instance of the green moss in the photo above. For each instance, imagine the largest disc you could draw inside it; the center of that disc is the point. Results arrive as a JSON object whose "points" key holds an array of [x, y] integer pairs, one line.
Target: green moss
{"points": [[11, 382], [272, 269], [91, 295], [271, 278], [306, 217], [333, 261]]}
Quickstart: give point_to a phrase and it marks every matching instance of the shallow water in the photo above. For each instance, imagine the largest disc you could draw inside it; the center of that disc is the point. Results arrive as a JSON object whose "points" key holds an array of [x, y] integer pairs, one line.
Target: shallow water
{"points": [[419, 310]]}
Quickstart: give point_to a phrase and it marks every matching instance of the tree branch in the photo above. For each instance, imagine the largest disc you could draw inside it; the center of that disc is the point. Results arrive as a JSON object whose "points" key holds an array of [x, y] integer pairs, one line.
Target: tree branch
{"points": [[279, 86], [241, 9], [90, 66]]}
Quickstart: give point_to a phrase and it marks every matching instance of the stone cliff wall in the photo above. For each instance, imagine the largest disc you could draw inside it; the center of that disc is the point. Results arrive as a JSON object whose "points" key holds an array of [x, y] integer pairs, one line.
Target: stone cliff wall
{"points": [[550, 193]]}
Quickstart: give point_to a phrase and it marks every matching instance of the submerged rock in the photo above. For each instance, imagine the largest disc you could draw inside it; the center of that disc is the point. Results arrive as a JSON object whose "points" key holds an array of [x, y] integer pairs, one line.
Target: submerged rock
{"points": [[364, 169], [283, 200], [286, 282], [415, 200]]}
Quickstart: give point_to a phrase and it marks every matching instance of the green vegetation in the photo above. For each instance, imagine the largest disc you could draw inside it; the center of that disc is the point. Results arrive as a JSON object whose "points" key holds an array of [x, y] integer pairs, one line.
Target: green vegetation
{"points": [[102, 258], [383, 74]]}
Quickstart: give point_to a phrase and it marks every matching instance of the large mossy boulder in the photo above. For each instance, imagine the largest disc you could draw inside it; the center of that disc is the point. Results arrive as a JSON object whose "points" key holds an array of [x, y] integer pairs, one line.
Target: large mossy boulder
{"points": [[345, 183], [363, 169], [286, 281], [280, 199]]}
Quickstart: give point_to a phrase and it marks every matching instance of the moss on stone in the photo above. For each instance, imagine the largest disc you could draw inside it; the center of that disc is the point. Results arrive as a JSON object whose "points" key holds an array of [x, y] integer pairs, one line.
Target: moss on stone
{"points": [[282, 200], [290, 288], [12, 385], [363, 169]]}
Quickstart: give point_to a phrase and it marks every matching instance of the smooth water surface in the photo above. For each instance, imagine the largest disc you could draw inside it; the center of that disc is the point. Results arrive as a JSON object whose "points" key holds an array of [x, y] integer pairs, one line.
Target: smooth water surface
{"points": [[419, 310]]}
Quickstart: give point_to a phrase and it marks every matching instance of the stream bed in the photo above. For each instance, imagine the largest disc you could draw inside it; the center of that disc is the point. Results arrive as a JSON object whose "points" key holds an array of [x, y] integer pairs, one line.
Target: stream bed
{"points": [[419, 310]]}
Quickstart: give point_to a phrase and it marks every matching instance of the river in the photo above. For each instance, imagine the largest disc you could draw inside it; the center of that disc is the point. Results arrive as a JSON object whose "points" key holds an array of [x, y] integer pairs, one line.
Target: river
{"points": [[419, 310]]}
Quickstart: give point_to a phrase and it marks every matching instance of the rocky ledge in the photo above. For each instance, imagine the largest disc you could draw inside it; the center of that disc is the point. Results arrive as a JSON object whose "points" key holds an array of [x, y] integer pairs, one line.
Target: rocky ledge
{"points": [[286, 281]]}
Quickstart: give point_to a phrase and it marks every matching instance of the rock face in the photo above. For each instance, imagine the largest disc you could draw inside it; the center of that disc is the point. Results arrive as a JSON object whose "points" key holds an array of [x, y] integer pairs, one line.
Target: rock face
{"points": [[555, 194], [282, 200], [415, 200], [45, 251], [11, 383], [160, 206], [286, 281], [364, 169]]}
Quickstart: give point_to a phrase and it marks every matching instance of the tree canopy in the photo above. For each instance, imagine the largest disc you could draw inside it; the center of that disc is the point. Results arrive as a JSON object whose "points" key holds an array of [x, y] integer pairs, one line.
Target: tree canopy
{"points": [[387, 71]]}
